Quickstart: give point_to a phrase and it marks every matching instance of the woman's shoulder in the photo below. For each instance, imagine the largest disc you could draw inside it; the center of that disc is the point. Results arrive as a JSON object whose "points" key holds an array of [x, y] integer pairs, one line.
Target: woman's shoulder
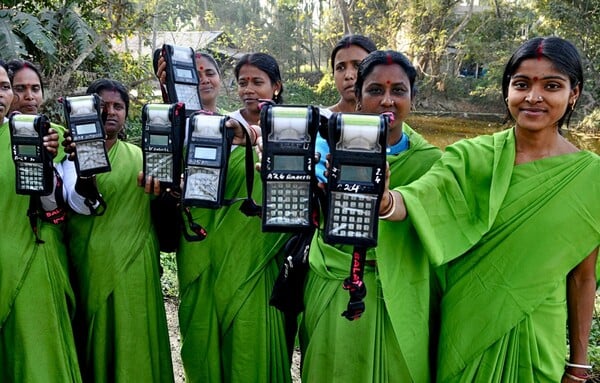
{"points": [[237, 114]]}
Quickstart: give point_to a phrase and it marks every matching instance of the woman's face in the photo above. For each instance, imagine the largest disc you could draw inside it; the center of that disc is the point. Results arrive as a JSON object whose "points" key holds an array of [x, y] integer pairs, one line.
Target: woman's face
{"points": [[210, 81], [254, 84], [27, 89], [387, 89], [345, 68], [6, 94], [114, 108], [539, 95]]}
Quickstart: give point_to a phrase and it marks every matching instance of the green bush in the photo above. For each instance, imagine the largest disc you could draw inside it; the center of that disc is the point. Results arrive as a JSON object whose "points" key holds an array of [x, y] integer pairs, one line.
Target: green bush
{"points": [[170, 285], [591, 122]]}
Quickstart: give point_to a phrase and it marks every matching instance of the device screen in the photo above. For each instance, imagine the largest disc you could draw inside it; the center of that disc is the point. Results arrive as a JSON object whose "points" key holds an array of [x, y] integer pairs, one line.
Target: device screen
{"points": [[159, 140], [185, 73], [27, 150], [203, 153], [86, 129], [351, 173], [290, 163]]}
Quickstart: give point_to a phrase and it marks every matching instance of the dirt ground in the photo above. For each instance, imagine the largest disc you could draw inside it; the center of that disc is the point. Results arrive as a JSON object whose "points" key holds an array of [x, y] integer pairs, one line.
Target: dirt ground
{"points": [[172, 320]]}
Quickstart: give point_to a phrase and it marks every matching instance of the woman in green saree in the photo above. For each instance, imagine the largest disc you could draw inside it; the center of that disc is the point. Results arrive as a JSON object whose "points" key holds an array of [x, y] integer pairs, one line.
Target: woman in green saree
{"points": [[121, 325], [389, 343], [36, 299], [515, 219], [229, 331]]}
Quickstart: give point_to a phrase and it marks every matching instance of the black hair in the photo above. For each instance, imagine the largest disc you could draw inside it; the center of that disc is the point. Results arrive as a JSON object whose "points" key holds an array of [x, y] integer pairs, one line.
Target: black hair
{"points": [[3, 65], [265, 63], [112, 85], [345, 42], [210, 58], [16, 65], [387, 57], [564, 57]]}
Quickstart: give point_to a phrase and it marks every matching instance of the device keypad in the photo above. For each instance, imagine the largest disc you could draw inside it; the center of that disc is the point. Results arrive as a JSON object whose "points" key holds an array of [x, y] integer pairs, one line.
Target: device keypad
{"points": [[353, 215], [30, 176], [160, 166], [287, 203]]}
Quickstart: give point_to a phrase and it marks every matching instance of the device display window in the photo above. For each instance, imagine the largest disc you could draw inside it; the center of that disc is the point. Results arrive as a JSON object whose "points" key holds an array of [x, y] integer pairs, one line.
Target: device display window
{"points": [[27, 150], [184, 73], [352, 174], [288, 163], [204, 153], [85, 129], [159, 140]]}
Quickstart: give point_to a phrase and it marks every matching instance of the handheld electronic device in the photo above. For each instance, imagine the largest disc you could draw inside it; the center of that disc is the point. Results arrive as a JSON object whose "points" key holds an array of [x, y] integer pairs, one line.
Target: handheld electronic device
{"points": [[163, 128], [208, 148], [182, 77], [356, 179], [33, 163], [83, 116], [287, 168]]}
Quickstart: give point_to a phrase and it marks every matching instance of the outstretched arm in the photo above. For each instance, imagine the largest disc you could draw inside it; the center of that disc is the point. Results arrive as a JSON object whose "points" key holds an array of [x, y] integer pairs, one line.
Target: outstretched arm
{"points": [[581, 293], [392, 207]]}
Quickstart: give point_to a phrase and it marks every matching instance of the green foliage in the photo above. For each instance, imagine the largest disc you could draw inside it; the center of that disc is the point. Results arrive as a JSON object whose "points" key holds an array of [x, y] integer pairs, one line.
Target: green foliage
{"points": [[76, 28], [300, 92], [11, 43], [591, 123], [326, 90], [170, 285]]}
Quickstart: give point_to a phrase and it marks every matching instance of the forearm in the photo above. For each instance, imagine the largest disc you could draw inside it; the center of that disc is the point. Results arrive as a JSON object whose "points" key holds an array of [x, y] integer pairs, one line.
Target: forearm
{"points": [[392, 207], [581, 293]]}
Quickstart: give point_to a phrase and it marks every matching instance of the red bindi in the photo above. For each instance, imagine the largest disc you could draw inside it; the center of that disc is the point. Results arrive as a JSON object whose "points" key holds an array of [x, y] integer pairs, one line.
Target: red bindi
{"points": [[535, 78], [201, 67], [388, 82]]}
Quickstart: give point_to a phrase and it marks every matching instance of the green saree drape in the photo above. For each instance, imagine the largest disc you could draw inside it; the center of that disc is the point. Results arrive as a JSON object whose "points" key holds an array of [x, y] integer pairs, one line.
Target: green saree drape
{"points": [[36, 339], [122, 329], [229, 331], [509, 235], [389, 343]]}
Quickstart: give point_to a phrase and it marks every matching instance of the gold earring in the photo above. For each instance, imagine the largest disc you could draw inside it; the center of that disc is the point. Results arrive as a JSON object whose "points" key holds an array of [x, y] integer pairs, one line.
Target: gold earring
{"points": [[506, 100], [276, 93], [358, 106]]}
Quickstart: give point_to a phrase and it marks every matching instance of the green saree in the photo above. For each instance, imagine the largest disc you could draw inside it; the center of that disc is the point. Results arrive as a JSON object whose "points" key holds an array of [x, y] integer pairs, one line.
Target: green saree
{"points": [[389, 343], [509, 235], [36, 339], [122, 331], [229, 331]]}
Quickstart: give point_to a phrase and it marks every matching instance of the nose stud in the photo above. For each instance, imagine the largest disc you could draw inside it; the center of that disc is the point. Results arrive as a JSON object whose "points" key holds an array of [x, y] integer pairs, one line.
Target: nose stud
{"points": [[530, 99]]}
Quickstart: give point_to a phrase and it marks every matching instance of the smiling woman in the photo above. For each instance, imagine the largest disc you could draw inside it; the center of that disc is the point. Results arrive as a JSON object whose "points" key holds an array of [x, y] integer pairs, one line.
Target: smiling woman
{"points": [[495, 240], [121, 325], [34, 283], [388, 343]]}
